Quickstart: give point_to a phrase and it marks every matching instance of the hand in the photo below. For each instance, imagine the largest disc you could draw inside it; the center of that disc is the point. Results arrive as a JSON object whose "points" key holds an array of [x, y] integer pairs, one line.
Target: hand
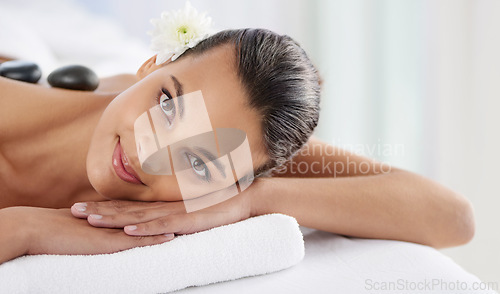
{"points": [[155, 218], [56, 231]]}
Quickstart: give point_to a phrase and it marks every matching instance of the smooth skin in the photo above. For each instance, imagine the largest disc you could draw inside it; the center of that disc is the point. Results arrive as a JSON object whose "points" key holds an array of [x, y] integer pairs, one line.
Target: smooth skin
{"points": [[45, 166]]}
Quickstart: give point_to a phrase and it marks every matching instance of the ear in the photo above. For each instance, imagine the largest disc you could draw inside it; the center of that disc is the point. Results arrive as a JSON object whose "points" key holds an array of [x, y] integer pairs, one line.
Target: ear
{"points": [[148, 67]]}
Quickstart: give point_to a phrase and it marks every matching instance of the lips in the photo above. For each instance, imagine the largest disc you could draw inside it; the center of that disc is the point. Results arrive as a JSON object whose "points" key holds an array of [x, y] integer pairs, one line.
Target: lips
{"points": [[122, 166]]}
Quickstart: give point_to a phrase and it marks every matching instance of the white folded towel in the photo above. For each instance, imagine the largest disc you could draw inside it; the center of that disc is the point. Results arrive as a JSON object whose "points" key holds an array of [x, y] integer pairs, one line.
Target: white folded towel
{"points": [[255, 246]]}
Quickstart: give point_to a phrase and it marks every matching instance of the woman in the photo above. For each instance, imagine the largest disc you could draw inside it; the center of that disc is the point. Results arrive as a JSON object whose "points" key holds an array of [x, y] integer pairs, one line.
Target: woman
{"points": [[57, 149]]}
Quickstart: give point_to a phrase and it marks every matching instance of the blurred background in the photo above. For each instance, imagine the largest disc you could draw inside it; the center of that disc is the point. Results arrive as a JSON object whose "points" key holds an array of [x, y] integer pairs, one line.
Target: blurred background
{"points": [[415, 83]]}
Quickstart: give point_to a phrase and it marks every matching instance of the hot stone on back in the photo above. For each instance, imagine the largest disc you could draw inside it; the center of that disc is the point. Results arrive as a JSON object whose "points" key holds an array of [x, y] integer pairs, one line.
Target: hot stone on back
{"points": [[21, 70], [74, 77]]}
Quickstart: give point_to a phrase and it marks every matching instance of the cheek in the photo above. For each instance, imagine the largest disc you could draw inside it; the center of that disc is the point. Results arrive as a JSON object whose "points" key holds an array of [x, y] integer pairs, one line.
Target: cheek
{"points": [[116, 121], [100, 153], [161, 188], [110, 127], [107, 128]]}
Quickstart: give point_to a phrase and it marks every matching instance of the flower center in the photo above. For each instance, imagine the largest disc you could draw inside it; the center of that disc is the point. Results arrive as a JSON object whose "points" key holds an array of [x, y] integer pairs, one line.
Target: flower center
{"points": [[182, 30]]}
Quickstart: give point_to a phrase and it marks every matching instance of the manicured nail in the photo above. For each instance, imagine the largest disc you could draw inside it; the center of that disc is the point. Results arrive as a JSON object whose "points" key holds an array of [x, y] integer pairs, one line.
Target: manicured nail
{"points": [[131, 228], [80, 206], [95, 216], [169, 236]]}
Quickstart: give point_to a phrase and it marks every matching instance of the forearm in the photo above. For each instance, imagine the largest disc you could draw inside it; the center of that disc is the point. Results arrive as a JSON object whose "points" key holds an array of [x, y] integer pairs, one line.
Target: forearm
{"points": [[398, 205], [12, 237]]}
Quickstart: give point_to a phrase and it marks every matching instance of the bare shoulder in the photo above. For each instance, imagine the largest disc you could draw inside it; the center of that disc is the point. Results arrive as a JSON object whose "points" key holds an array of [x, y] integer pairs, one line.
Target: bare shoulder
{"points": [[116, 83], [23, 105]]}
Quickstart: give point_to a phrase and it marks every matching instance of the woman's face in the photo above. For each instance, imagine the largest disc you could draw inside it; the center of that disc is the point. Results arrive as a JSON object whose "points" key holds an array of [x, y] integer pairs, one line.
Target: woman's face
{"points": [[113, 166]]}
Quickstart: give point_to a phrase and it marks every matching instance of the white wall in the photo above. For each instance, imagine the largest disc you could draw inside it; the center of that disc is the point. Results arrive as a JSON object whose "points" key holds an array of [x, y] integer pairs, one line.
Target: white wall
{"points": [[467, 89], [425, 74]]}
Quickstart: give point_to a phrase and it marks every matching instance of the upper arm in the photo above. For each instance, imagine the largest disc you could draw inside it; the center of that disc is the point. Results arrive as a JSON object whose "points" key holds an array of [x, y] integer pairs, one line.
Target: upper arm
{"points": [[319, 159]]}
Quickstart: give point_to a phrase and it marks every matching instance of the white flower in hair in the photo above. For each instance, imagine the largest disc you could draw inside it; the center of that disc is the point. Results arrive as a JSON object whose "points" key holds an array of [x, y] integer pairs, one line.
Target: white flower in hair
{"points": [[177, 31]]}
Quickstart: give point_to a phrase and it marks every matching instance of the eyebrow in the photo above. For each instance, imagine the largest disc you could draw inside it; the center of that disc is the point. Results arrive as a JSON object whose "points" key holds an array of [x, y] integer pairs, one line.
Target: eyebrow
{"points": [[179, 92], [221, 167]]}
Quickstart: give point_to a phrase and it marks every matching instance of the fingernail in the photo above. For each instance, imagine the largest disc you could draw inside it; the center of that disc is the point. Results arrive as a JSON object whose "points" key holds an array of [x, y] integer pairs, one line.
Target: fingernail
{"points": [[80, 206], [95, 216], [131, 228], [169, 236]]}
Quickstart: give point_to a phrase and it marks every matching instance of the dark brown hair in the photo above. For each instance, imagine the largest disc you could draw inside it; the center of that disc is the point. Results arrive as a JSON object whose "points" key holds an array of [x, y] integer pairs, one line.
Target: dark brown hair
{"points": [[281, 83]]}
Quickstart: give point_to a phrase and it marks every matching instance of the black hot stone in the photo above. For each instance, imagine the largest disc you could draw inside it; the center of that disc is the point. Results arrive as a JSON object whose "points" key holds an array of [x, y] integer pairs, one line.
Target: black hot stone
{"points": [[74, 77], [21, 70]]}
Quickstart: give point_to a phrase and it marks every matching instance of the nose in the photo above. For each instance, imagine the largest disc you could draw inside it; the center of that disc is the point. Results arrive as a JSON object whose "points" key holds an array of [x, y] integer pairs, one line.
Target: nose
{"points": [[158, 163], [153, 159]]}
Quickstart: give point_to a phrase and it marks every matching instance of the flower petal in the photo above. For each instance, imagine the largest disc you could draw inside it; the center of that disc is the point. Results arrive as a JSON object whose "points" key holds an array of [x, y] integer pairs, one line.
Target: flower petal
{"points": [[177, 31], [163, 57]]}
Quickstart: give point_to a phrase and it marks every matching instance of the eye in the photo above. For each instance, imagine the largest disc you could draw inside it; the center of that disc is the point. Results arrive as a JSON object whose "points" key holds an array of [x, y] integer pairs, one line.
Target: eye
{"points": [[199, 166], [167, 106]]}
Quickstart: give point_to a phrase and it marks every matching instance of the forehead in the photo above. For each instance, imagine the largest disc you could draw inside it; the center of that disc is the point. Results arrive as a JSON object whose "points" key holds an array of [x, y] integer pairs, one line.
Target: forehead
{"points": [[214, 73]]}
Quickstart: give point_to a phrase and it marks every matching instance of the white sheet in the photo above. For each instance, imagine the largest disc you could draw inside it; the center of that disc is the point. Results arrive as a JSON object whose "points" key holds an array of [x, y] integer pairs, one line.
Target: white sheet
{"points": [[337, 264]]}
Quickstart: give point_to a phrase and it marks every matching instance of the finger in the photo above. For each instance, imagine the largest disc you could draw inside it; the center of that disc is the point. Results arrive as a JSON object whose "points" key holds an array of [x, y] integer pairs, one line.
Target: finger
{"points": [[78, 210], [162, 225], [176, 223], [124, 242], [126, 218], [84, 209], [184, 223]]}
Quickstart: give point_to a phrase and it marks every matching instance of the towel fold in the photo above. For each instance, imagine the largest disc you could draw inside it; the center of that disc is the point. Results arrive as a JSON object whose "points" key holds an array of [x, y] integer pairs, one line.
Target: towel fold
{"points": [[255, 246]]}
